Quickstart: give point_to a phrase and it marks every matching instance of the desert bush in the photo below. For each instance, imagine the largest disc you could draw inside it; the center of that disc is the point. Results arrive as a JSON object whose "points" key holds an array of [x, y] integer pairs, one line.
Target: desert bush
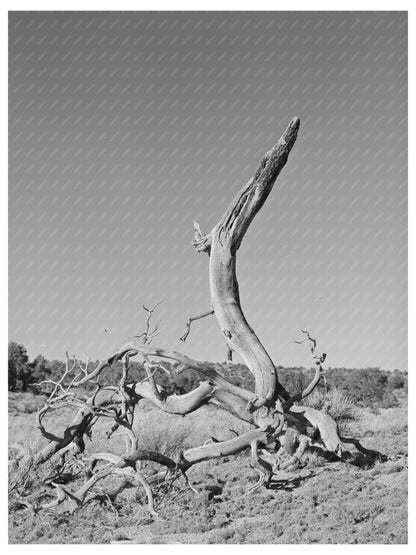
{"points": [[20, 466], [18, 367], [389, 400], [25, 480], [335, 403], [365, 386], [27, 402], [158, 432], [398, 380], [294, 379]]}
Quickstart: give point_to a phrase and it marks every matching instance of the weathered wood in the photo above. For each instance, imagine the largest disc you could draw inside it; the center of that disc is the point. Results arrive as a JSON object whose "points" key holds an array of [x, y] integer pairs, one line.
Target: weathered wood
{"points": [[230, 447], [134, 345], [224, 241], [177, 404], [326, 425], [270, 408]]}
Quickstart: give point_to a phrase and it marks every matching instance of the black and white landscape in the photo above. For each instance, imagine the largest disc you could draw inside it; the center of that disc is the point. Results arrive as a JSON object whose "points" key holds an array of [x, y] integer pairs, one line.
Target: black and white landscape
{"points": [[208, 277]]}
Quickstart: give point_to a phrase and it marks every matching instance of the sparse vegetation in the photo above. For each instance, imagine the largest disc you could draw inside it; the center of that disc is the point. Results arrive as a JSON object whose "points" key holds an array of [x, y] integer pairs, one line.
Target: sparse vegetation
{"points": [[344, 504], [155, 457], [379, 387], [336, 404]]}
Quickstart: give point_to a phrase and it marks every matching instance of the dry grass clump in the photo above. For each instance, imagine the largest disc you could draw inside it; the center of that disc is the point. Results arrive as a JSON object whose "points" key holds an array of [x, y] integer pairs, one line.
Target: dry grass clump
{"points": [[161, 432], [340, 407], [169, 433], [24, 403], [385, 421], [24, 478]]}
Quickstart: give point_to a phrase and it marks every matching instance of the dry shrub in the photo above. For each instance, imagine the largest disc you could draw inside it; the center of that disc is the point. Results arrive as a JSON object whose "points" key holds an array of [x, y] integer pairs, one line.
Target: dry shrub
{"points": [[161, 432], [24, 478], [27, 403], [393, 421], [340, 407], [169, 434]]}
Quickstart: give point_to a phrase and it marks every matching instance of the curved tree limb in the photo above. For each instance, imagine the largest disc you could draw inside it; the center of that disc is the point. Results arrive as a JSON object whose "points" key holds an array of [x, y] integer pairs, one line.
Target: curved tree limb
{"points": [[178, 404], [134, 345], [325, 424], [319, 371], [262, 436], [224, 241], [192, 319]]}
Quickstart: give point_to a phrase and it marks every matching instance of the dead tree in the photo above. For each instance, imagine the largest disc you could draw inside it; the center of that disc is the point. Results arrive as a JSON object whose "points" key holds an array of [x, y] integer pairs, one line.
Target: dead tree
{"points": [[278, 423]]}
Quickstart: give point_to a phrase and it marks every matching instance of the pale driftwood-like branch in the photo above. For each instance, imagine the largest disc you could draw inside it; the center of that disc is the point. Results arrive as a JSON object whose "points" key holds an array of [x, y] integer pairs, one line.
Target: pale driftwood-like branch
{"points": [[76, 428], [149, 334], [195, 455], [304, 441], [82, 496], [103, 402], [134, 346], [201, 242], [217, 389], [262, 466], [192, 319], [178, 404], [224, 241], [324, 423], [118, 465]]}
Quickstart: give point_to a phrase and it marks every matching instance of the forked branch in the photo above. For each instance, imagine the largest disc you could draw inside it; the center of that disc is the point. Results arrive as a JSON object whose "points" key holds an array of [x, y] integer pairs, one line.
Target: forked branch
{"points": [[192, 319], [319, 371]]}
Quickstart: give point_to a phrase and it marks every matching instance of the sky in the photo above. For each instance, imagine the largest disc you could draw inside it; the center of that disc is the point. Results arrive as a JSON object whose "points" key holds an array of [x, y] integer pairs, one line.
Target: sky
{"points": [[124, 127]]}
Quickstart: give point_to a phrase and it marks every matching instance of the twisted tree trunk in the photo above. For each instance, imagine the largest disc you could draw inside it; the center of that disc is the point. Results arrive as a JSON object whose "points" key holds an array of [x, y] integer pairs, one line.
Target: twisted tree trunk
{"points": [[270, 408], [222, 245]]}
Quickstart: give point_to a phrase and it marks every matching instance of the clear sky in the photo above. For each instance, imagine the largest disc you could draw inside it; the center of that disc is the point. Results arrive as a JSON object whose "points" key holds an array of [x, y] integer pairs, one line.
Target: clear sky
{"points": [[124, 127]]}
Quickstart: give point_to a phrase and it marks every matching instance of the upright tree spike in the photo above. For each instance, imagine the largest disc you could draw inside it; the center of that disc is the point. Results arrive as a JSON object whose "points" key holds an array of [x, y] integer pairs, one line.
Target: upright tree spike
{"points": [[226, 238]]}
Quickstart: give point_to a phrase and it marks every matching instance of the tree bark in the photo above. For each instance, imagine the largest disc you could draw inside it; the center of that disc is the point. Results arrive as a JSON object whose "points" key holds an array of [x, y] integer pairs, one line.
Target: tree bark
{"points": [[222, 245]]}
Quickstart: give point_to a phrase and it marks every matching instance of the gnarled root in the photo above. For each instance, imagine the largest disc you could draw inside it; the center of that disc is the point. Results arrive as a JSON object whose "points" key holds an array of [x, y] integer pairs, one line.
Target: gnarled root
{"points": [[303, 442], [116, 466], [262, 466]]}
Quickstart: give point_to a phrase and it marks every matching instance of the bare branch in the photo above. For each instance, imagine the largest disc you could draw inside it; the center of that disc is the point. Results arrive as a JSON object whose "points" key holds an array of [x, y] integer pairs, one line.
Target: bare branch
{"points": [[319, 371], [201, 242], [134, 346], [192, 319], [148, 334], [150, 370], [262, 436]]}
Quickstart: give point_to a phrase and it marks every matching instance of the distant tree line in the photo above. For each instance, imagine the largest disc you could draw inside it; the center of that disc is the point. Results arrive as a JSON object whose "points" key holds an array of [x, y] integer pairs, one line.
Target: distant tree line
{"points": [[365, 386]]}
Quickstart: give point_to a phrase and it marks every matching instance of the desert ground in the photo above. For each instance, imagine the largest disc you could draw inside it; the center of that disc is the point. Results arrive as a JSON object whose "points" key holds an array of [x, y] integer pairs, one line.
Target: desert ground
{"points": [[321, 502]]}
